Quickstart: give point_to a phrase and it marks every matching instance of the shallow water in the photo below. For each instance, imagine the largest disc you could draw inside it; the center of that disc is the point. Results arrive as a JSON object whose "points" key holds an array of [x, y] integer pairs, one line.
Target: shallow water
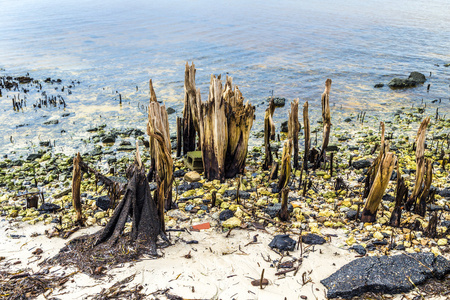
{"points": [[289, 48]]}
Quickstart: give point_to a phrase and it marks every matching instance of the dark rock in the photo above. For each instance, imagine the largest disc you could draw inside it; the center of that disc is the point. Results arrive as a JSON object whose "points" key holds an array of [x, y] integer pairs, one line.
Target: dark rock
{"points": [[126, 148], [93, 129], [283, 242], [109, 139], [226, 214], [49, 208], [361, 164], [380, 243], [413, 80], [333, 148], [125, 143], [353, 147], [51, 122], [232, 194], [170, 110], [179, 173], [24, 79], [279, 102], [44, 143], [444, 193], [359, 249], [313, 239], [386, 274], [103, 202], [284, 127], [417, 77], [378, 85], [34, 156], [351, 214], [274, 209], [65, 115], [348, 120], [388, 197]]}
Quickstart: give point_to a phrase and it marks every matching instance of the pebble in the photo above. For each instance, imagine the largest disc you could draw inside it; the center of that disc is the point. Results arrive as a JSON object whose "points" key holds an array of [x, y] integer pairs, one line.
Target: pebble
{"points": [[192, 176], [232, 223]]}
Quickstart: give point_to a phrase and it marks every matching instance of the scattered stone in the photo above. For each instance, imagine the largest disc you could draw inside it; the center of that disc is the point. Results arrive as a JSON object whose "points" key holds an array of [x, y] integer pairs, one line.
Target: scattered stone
{"points": [[178, 214], [444, 192], [284, 127], [109, 139], [233, 193], [51, 122], [49, 207], [34, 156], [283, 242], [192, 176], [279, 102], [231, 223], [274, 209], [378, 85], [361, 164], [103, 202], [386, 274], [313, 239], [359, 249], [413, 80], [179, 173], [226, 214], [170, 110]]}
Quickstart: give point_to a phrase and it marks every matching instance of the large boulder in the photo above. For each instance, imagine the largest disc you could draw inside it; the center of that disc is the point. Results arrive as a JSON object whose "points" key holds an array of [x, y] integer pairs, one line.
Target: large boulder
{"points": [[413, 80], [386, 274]]}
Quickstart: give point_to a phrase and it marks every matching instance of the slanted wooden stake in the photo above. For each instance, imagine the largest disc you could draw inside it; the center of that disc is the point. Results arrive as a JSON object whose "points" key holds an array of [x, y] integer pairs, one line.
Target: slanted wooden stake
{"points": [[159, 141], [268, 158], [378, 188], [285, 165], [307, 135], [293, 129], [421, 204], [400, 198], [76, 185], [373, 169], [326, 117]]}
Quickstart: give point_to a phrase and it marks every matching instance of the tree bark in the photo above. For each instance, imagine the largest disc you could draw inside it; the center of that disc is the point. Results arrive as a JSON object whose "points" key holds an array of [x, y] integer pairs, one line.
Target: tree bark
{"points": [[373, 169], [268, 158], [190, 111], [293, 129], [285, 165], [378, 188], [400, 198]]}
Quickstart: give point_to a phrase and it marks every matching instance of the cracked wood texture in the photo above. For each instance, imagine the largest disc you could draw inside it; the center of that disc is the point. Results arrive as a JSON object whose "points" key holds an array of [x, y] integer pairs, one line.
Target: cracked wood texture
{"points": [[293, 129]]}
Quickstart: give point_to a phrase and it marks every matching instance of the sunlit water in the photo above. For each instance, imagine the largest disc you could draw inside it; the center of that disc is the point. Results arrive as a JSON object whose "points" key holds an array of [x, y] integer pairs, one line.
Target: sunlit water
{"points": [[288, 47]]}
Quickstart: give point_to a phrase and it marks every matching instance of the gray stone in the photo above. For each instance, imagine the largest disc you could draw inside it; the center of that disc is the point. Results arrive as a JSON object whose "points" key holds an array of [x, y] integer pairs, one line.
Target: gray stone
{"points": [[444, 193], [351, 214], [378, 85], [361, 164], [109, 139], [313, 239], [283, 242], [170, 110], [34, 156], [417, 77], [414, 79], [273, 209], [103, 202], [385, 274], [226, 214]]}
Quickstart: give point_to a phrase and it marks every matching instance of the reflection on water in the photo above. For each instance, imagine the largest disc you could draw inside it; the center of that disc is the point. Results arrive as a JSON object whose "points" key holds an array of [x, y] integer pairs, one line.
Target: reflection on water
{"points": [[289, 47]]}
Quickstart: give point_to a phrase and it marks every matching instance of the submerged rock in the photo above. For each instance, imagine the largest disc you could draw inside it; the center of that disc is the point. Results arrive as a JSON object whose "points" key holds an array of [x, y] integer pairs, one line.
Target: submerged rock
{"points": [[414, 79], [386, 274], [283, 242]]}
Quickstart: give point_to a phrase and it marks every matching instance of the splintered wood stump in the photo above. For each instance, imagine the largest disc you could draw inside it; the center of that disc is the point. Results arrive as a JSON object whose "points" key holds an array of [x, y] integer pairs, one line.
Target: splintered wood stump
{"points": [[400, 198], [159, 143], [419, 187], [421, 202], [326, 118], [284, 213], [268, 158], [225, 124], [76, 185], [190, 111], [379, 187], [307, 131], [285, 173], [293, 129], [138, 204]]}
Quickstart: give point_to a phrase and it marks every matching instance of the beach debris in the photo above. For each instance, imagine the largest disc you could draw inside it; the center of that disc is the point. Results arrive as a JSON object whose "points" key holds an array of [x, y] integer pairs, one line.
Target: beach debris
{"points": [[313, 239], [201, 226], [118, 291], [283, 242], [386, 274], [76, 185]]}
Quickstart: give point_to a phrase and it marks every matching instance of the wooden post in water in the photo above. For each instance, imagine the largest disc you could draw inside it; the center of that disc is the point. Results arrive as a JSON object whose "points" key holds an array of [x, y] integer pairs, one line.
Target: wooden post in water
{"points": [[179, 135], [307, 136], [293, 129], [190, 111], [326, 117], [268, 158]]}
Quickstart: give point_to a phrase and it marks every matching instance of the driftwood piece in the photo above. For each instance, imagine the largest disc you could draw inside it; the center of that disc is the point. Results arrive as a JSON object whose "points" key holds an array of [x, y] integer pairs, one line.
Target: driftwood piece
{"points": [[307, 131], [159, 142], [224, 124], [378, 188], [293, 129], [190, 111], [326, 118], [271, 110], [373, 169], [421, 204], [284, 213], [138, 204], [76, 187]]}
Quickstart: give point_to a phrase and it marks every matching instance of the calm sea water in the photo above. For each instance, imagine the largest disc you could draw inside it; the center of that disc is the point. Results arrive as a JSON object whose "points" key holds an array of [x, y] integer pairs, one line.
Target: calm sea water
{"points": [[288, 47]]}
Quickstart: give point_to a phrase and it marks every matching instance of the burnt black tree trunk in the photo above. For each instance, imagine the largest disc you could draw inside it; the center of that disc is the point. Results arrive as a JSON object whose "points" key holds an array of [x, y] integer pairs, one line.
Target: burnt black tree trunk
{"points": [[140, 206]]}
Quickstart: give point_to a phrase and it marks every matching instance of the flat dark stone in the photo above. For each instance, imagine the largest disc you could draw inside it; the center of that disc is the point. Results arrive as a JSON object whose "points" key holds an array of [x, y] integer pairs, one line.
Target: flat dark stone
{"points": [[279, 102], [52, 122], [179, 173], [351, 214], [378, 85], [226, 214], [34, 156], [334, 148], [109, 139], [232, 194], [313, 239], [385, 274], [274, 209], [361, 164], [103, 202], [283, 242], [170, 110], [359, 249], [49, 207], [388, 197]]}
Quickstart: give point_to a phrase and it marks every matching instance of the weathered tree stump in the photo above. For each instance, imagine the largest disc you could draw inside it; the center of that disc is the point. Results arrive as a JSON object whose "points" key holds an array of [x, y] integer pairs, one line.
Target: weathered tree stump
{"points": [[373, 169], [285, 173], [293, 129], [224, 125], [190, 111], [268, 158], [379, 187], [160, 147], [138, 204], [326, 118], [400, 198]]}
